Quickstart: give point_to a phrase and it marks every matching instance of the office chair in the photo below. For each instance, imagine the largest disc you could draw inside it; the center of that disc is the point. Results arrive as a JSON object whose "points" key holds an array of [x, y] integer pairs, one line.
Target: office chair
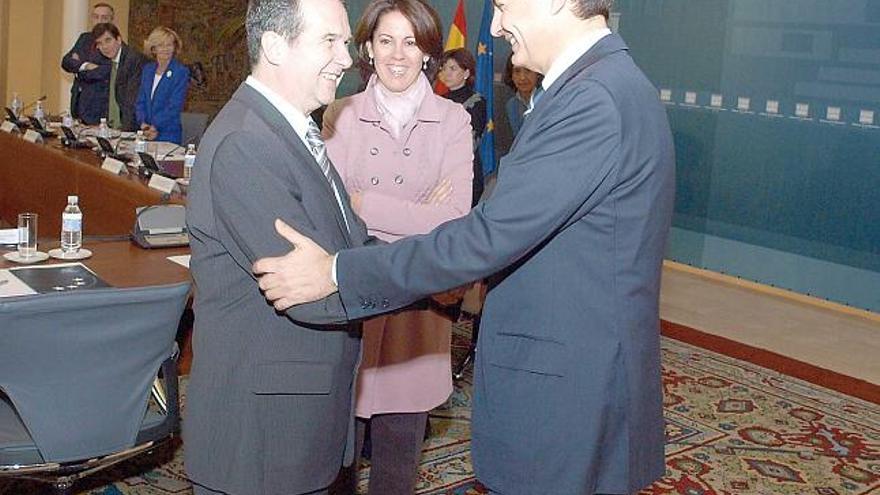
{"points": [[194, 125], [76, 373]]}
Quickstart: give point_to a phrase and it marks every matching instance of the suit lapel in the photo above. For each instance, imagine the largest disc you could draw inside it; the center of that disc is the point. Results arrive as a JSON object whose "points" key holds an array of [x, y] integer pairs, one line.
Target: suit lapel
{"points": [[609, 44], [281, 127], [162, 83], [604, 47]]}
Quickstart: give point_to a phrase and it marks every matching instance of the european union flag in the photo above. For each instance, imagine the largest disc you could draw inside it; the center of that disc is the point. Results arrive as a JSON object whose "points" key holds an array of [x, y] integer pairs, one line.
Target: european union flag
{"points": [[485, 76]]}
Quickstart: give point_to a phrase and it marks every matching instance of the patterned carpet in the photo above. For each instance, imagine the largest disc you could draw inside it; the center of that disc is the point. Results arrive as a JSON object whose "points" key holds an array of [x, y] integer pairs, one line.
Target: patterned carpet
{"points": [[733, 428]]}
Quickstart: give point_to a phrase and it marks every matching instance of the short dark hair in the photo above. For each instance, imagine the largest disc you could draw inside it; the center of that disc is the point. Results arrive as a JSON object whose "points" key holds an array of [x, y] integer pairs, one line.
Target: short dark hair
{"points": [[283, 17], [105, 4], [465, 60], [584, 9], [105, 27], [426, 27], [508, 74]]}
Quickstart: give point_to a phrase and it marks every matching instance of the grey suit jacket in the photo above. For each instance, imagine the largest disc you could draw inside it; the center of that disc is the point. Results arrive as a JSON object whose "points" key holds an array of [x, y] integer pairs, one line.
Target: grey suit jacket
{"points": [[269, 399], [567, 380]]}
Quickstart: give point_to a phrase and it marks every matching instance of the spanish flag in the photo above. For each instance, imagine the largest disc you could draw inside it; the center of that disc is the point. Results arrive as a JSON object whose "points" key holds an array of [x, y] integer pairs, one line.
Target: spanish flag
{"points": [[456, 39]]}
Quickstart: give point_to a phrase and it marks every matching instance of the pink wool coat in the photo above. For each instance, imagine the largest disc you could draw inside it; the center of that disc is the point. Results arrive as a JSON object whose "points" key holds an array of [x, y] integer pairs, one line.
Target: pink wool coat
{"points": [[406, 356]]}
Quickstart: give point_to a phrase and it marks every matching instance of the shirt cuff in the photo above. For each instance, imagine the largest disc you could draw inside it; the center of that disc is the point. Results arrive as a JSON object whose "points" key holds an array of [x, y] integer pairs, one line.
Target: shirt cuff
{"points": [[82, 67], [333, 271]]}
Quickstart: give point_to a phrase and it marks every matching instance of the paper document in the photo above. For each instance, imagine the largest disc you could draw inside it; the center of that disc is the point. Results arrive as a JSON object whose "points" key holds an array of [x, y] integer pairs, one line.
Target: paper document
{"points": [[10, 285], [8, 236], [182, 260]]}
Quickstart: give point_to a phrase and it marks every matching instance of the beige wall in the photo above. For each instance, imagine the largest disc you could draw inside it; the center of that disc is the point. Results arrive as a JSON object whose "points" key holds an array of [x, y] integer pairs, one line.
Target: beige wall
{"points": [[24, 50], [4, 34], [32, 44]]}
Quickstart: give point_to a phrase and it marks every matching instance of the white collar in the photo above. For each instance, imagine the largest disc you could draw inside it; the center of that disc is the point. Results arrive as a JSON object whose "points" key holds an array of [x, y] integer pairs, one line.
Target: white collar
{"points": [[118, 55], [571, 54], [298, 121]]}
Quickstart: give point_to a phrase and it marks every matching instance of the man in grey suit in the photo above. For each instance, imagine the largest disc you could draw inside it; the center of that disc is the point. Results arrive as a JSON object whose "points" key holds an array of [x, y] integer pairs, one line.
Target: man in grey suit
{"points": [[567, 382], [269, 400]]}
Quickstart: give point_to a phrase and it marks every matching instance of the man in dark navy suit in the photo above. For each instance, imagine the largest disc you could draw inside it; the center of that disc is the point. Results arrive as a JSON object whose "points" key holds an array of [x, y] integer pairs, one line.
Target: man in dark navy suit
{"points": [[567, 389], [84, 56], [119, 70]]}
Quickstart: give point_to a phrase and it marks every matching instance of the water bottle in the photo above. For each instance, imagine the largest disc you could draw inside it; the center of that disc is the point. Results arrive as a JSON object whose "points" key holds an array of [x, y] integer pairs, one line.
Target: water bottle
{"points": [[16, 105], [103, 130], [188, 161], [71, 226], [140, 143], [39, 114]]}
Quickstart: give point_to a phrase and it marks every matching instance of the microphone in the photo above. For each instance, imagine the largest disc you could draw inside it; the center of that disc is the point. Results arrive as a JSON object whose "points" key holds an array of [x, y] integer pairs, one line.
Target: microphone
{"points": [[178, 147], [38, 100], [71, 139], [106, 149]]}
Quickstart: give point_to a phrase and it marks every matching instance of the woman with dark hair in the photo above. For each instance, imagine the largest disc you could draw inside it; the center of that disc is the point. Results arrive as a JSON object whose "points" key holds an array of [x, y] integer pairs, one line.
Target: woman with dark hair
{"points": [[457, 71], [405, 157], [523, 82]]}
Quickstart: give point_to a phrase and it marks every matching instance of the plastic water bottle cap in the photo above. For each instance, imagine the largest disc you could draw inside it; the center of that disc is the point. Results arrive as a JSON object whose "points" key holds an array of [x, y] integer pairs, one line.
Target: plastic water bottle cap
{"points": [[72, 200]]}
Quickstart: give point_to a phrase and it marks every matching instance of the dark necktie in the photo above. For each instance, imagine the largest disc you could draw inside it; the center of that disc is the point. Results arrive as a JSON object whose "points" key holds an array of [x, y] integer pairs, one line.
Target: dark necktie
{"points": [[113, 110]]}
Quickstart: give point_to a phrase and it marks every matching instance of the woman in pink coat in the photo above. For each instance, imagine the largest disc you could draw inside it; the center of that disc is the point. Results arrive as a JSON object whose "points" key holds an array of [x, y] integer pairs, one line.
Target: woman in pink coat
{"points": [[405, 156]]}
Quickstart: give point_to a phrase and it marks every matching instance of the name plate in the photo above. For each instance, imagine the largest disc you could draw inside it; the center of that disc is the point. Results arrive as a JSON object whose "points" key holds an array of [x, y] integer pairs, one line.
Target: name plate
{"points": [[33, 136], [113, 166], [8, 126], [163, 184], [8, 236]]}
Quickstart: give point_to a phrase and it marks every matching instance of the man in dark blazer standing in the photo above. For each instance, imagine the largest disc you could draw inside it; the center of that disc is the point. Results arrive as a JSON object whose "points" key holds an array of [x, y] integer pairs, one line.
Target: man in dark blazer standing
{"points": [[119, 71], [82, 57], [269, 402], [567, 389]]}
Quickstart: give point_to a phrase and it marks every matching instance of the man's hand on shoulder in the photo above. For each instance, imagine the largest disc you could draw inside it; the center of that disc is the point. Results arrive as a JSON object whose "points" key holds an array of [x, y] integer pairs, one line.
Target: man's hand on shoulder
{"points": [[303, 275]]}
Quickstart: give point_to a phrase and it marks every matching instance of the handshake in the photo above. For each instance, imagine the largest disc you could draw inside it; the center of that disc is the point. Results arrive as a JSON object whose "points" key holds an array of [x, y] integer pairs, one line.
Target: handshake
{"points": [[303, 274]]}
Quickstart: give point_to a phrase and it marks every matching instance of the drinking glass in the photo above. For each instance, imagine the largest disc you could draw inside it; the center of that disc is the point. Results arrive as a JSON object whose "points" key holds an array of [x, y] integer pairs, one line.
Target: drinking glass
{"points": [[27, 234]]}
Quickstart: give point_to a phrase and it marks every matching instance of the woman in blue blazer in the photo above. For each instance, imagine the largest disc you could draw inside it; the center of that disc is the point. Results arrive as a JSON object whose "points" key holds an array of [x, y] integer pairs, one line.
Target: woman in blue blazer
{"points": [[163, 88]]}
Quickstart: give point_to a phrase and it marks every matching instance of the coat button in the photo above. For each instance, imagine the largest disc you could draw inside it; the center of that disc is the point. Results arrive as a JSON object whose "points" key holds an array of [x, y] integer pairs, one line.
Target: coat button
{"points": [[398, 180], [385, 303], [407, 152], [374, 151], [374, 181]]}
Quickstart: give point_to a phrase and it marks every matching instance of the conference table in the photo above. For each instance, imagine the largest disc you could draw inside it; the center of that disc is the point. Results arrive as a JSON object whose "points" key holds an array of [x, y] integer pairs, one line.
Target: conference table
{"points": [[121, 263], [38, 178]]}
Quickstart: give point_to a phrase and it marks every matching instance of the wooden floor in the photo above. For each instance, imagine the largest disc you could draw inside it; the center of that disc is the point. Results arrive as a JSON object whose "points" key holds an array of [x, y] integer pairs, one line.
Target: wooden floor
{"points": [[839, 339]]}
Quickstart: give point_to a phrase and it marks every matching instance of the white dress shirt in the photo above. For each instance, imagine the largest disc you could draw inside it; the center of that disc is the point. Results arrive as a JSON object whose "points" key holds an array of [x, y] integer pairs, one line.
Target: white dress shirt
{"points": [[571, 55], [566, 59]]}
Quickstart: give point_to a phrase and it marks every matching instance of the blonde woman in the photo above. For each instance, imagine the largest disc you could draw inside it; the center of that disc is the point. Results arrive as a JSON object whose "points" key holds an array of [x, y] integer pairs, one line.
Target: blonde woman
{"points": [[163, 88]]}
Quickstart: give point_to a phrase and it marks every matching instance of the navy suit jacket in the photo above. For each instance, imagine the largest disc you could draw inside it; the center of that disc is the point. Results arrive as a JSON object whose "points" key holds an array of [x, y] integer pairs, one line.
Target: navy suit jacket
{"points": [[163, 109], [84, 94], [94, 87], [567, 389]]}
